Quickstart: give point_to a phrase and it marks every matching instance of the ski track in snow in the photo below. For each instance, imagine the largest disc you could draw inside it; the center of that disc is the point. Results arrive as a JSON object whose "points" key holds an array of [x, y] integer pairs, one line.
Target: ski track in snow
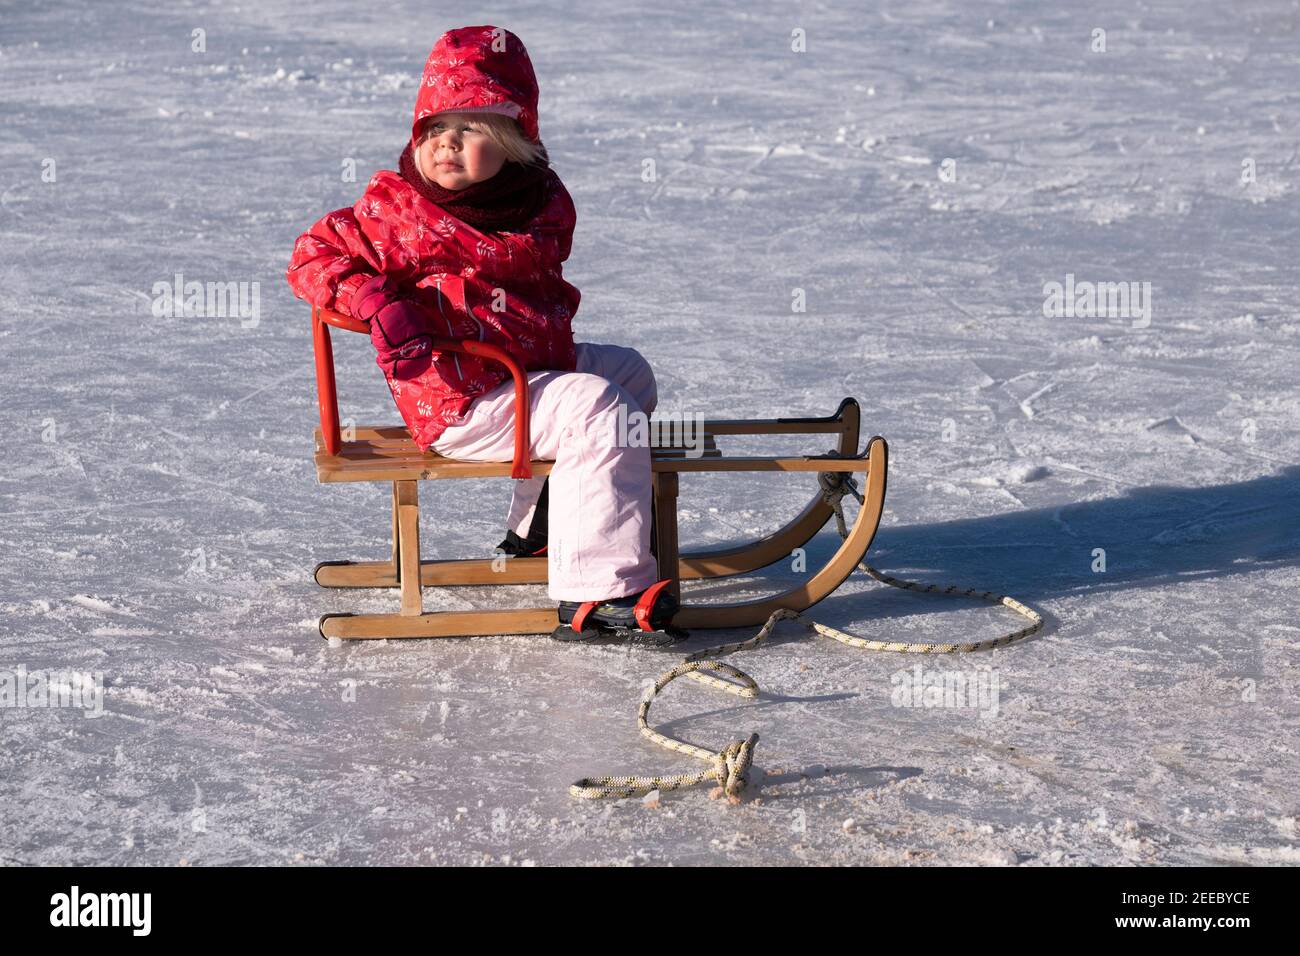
{"points": [[161, 514]]}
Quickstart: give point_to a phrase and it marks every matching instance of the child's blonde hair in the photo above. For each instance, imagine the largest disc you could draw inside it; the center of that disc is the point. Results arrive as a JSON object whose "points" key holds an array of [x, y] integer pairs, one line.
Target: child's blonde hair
{"points": [[501, 129]]}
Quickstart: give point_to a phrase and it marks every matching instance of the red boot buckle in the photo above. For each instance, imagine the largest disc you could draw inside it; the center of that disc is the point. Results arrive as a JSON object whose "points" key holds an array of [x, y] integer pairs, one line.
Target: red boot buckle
{"points": [[645, 607], [581, 617]]}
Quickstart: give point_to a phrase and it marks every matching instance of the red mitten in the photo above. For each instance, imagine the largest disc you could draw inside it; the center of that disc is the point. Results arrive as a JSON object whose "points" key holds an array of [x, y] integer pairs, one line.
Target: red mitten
{"points": [[399, 326]]}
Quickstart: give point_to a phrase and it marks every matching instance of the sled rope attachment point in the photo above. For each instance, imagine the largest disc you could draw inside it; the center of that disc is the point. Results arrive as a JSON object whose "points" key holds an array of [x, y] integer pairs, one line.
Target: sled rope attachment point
{"points": [[730, 765]]}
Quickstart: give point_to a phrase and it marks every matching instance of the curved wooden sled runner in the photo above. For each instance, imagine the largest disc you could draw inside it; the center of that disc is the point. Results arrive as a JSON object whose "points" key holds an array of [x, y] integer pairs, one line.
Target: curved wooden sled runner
{"points": [[387, 453]]}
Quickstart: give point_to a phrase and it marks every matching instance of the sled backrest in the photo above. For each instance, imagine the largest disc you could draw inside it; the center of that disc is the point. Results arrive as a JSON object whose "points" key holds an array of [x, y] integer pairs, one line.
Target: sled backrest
{"points": [[327, 396]]}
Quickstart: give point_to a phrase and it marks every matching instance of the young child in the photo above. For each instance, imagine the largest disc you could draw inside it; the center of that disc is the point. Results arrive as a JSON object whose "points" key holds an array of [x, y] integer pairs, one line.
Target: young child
{"points": [[467, 241]]}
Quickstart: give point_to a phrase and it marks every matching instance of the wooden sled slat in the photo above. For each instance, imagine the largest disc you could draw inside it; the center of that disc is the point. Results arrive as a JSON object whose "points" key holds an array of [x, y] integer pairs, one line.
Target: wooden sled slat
{"points": [[440, 624], [376, 440], [380, 454], [403, 470]]}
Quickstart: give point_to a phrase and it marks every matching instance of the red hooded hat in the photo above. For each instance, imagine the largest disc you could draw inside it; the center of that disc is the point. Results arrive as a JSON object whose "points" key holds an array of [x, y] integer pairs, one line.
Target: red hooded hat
{"points": [[479, 69]]}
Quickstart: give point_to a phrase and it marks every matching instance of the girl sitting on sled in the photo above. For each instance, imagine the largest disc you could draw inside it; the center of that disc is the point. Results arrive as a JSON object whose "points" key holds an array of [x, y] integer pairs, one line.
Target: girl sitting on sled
{"points": [[467, 240]]}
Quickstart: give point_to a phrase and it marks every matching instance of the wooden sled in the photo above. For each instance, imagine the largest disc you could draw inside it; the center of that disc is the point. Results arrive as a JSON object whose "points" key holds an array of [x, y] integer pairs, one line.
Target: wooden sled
{"points": [[388, 454]]}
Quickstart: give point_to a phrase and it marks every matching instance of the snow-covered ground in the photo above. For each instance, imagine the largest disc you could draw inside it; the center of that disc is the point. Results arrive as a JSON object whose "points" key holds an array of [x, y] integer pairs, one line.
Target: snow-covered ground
{"points": [[161, 515]]}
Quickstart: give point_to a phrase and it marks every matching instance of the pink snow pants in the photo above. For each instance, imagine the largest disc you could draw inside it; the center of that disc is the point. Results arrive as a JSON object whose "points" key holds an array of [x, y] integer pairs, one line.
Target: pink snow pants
{"points": [[598, 543]]}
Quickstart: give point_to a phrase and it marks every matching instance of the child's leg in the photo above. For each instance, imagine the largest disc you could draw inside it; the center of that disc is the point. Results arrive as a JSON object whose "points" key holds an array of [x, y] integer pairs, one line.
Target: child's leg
{"points": [[523, 505], [624, 367], [599, 543]]}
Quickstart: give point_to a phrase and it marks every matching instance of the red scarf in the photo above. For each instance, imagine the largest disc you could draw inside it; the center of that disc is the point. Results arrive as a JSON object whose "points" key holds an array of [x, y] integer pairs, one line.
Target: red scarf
{"points": [[505, 203]]}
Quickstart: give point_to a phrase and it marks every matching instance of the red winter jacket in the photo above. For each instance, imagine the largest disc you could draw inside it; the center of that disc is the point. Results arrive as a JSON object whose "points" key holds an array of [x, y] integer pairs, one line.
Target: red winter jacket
{"points": [[395, 231]]}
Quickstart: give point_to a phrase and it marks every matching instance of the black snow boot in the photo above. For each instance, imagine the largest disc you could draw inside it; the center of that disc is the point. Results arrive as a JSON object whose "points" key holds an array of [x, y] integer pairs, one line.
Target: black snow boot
{"points": [[534, 545], [644, 618]]}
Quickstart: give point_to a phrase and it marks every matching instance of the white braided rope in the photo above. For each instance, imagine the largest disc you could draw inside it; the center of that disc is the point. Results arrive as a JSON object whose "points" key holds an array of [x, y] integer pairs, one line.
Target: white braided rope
{"points": [[729, 766]]}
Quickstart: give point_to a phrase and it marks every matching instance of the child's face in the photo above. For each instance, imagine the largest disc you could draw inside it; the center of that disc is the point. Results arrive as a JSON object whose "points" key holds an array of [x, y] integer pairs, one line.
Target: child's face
{"points": [[456, 152]]}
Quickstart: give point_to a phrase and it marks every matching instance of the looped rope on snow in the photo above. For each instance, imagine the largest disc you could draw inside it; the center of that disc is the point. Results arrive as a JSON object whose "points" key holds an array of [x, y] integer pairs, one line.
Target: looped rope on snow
{"points": [[730, 766]]}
